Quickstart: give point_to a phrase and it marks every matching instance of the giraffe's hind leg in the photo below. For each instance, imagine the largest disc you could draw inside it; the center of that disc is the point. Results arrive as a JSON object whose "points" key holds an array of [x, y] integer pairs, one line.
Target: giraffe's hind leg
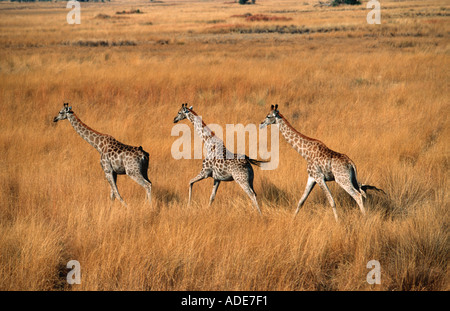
{"points": [[148, 183], [247, 187], [144, 182], [148, 187], [252, 196], [112, 195], [347, 185], [214, 191]]}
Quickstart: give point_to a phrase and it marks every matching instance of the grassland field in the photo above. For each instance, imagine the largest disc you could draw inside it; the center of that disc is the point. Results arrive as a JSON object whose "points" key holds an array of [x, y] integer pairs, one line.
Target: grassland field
{"points": [[378, 93]]}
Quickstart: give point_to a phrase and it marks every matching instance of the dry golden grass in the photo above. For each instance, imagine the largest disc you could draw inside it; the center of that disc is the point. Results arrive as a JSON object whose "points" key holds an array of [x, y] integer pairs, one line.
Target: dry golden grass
{"points": [[378, 93]]}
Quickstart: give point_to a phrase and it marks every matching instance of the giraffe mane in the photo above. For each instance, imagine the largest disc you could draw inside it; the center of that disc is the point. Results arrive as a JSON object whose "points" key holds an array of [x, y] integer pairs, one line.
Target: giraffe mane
{"points": [[87, 127], [292, 128], [203, 122]]}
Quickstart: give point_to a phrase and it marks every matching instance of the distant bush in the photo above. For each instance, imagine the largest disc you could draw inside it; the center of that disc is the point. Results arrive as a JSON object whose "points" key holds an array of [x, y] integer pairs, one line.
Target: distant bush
{"points": [[246, 1], [130, 12], [99, 43], [261, 17], [339, 2], [242, 15], [102, 16]]}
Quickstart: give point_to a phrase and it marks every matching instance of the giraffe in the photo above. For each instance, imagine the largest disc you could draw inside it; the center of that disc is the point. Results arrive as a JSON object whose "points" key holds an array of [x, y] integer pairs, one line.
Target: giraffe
{"points": [[220, 163], [115, 158], [323, 164]]}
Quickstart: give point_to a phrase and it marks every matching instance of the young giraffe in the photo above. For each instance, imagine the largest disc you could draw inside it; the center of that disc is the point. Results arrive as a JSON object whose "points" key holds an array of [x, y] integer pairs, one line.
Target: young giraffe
{"points": [[219, 163], [323, 164], [116, 158]]}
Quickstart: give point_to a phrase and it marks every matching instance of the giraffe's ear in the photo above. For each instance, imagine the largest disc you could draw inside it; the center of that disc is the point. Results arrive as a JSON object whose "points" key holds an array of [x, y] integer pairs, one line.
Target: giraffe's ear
{"points": [[191, 107]]}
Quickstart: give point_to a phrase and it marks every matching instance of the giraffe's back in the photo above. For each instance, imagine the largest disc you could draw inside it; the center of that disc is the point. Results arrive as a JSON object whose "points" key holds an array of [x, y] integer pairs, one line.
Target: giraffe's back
{"points": [[125, 158], [328, 163], [228, 169]]}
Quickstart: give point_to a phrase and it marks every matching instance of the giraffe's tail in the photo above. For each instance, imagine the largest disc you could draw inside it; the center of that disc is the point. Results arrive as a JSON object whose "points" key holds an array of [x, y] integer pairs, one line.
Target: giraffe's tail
{"points": [[256, 162], [146, 155], [360, 187], [369, 187]]}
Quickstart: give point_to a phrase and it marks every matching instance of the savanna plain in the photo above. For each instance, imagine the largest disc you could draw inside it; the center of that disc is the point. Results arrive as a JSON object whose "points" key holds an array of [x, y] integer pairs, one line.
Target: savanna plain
{"points": [[378, 93]]}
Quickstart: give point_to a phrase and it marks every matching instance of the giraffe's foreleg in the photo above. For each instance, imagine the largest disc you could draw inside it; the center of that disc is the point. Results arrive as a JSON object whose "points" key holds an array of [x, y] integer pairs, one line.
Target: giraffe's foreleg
{"points": [[112, 181], [324, 187], [202, 175], [309, 186]]}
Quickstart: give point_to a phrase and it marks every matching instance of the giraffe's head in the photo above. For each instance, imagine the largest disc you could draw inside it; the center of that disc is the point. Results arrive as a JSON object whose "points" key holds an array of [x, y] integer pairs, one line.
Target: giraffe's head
{"points": [[182, 113], [271, 117], [62, 115]]}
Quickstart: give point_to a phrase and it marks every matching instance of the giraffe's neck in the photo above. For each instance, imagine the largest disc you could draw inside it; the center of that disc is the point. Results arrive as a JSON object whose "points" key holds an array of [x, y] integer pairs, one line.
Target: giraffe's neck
{"points": [[94, 138], [215, 148], [200, 127], [300, 142]]}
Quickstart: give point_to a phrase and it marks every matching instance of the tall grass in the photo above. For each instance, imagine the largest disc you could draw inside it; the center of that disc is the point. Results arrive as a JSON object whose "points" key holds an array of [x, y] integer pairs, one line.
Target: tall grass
{"points": [[361, 91]]}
